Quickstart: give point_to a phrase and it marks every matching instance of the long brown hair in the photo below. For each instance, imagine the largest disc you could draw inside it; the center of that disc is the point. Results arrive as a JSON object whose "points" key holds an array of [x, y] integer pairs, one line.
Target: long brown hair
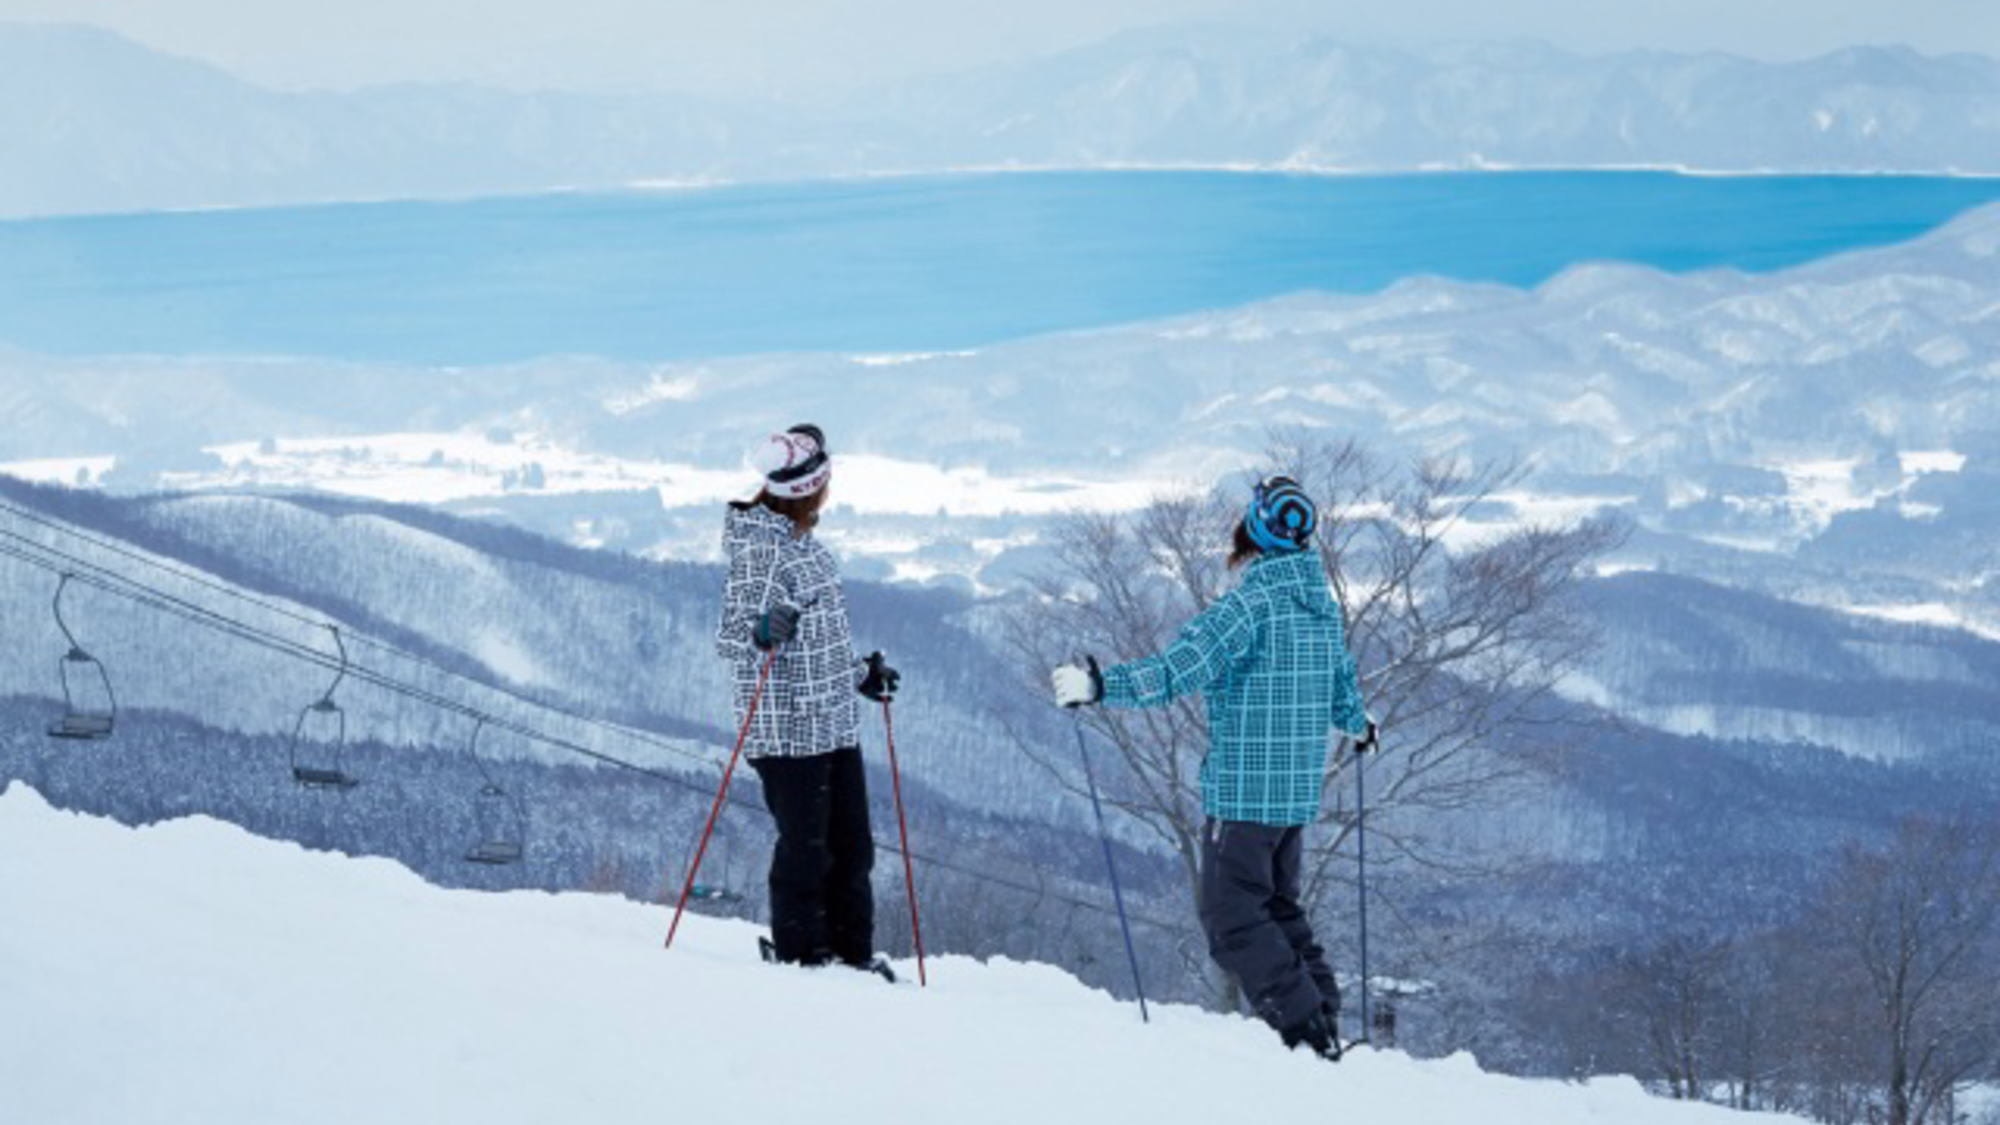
{"points": [[803, 511], [1241, 548]]}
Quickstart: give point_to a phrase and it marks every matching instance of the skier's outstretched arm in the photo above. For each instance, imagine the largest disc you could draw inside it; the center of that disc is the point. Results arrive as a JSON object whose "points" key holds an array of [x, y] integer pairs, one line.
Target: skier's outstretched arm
{"points": [[1207, 648]]}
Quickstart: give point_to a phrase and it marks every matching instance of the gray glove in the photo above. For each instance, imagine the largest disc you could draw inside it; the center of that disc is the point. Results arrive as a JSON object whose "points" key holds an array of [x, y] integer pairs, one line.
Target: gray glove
{"points": [[777, 626]]}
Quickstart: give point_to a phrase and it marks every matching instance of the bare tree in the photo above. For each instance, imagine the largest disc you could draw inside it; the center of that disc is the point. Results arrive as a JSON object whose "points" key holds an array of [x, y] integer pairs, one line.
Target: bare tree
{"points": [[1673, 995], [1748, 1057], [1460, 639], [1913, 925]]}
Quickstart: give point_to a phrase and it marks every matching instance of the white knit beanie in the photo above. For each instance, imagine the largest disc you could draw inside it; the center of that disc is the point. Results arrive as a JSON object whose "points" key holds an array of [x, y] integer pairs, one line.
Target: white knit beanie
{"points": [[795, 463]]}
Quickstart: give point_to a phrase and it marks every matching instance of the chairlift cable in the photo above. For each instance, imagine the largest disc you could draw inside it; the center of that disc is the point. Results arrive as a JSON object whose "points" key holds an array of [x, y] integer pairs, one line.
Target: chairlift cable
{"points": [[198, 579], [383, 681], [111, 582], [153, 599]]}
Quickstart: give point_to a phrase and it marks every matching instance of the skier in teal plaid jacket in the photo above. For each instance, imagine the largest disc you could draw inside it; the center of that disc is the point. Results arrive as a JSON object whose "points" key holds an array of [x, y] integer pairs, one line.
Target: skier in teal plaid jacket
{"points": [[1270, 659]]}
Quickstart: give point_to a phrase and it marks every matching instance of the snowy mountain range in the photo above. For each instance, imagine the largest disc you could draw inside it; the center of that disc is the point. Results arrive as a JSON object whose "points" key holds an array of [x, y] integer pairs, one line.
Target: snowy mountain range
{"points": [[92, 122], [1792, 433], [1822, 437]]}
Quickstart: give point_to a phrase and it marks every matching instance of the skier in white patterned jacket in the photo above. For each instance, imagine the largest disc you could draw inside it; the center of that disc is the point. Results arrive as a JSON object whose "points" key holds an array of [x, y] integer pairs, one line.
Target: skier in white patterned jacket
{"points": [[784, 604]]}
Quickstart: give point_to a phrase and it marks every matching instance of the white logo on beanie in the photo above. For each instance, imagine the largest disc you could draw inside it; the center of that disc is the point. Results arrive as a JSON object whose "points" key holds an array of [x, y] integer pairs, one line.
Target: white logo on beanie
{"points": [[781, 454]]}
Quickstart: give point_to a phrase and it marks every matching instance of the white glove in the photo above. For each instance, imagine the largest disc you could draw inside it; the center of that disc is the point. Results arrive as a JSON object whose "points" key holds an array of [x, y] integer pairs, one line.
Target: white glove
{"points": [[1076, 685]]}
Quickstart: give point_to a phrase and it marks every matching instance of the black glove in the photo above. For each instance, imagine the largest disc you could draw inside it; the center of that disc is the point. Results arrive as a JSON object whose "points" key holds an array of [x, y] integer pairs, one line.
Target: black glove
{"points": [[1370, 741], [777, 626], [881, 682]]}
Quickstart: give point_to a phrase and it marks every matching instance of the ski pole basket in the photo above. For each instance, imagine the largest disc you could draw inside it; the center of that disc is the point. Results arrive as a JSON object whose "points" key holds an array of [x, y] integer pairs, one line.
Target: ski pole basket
{"points": [[319, 739], [90, 708]]}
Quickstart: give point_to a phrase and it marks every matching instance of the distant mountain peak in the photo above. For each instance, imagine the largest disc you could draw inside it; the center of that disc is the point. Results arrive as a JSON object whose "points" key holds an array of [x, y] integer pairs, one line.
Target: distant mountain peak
{"points": [[141, 129]]}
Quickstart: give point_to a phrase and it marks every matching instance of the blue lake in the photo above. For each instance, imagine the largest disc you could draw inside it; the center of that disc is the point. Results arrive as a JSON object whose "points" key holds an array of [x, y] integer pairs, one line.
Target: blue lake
{"points": [[901, 264]]}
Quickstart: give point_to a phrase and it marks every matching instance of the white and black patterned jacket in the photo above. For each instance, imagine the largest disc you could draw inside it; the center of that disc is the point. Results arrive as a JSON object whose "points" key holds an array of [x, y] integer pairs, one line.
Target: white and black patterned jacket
{"points": [[810, 705]]}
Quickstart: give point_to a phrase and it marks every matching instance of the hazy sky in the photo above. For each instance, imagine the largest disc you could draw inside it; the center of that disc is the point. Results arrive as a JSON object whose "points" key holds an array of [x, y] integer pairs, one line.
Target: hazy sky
{"points": [[761, 46]]}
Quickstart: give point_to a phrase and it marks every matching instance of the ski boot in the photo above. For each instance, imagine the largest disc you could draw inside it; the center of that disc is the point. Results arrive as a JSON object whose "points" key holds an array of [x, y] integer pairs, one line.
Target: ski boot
{"points": [[877, 965], [1315, 1033], [768, 950]]}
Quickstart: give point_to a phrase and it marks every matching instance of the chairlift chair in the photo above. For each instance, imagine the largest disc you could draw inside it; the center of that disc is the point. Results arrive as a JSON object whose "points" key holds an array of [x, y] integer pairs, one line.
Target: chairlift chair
{"points": [[327, 739], [501, 818], [90, 708]]}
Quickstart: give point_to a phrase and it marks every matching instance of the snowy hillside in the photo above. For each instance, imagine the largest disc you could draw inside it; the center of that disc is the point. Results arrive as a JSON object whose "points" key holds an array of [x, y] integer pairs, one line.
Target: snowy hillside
{"points": [[1779, 431], [1691, 658], [190, 972], [94, 123], [491, 617]]}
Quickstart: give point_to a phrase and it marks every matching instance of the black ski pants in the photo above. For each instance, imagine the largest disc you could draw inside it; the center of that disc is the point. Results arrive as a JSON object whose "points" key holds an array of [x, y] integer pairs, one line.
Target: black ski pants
{"points": [[1256, 929], [822, 902]]}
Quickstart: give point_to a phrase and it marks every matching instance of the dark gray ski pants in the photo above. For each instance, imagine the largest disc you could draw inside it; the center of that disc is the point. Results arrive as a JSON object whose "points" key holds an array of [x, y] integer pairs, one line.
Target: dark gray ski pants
{"points": [[1256, 929]]}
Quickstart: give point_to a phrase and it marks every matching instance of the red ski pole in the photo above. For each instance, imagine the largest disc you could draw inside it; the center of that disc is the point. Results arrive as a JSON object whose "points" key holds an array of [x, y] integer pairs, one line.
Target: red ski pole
{"points": [[903, 826], [721, 794]]}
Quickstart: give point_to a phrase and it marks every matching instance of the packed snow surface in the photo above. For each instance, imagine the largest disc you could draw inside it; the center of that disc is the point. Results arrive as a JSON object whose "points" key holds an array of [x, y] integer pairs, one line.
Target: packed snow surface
{"points": [[189, 972]]}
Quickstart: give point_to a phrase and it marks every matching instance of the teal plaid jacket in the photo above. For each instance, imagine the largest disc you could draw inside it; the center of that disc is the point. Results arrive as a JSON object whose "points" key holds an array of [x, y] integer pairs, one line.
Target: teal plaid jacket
{"points": [[1271, 659]]}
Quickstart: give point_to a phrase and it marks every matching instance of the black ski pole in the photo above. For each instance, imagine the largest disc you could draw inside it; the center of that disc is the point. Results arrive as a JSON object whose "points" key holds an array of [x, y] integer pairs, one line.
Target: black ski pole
{"points": [[1104, 836], [1361, 860]]}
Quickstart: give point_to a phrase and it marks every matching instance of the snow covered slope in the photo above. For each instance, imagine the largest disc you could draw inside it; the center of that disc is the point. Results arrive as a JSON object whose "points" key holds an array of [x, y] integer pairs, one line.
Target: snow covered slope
{"points": [[190, 972]]}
